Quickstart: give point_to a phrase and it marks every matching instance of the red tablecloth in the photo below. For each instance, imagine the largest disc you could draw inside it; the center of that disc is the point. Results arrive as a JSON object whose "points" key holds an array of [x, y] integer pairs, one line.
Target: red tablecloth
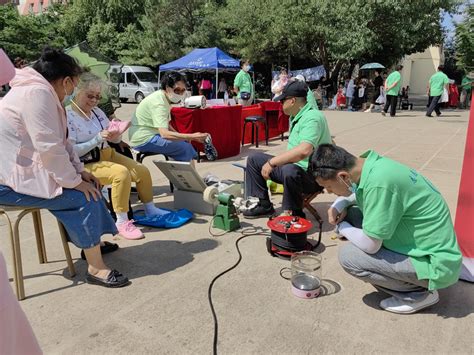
{"points": [[277, 121], [222, 122]]}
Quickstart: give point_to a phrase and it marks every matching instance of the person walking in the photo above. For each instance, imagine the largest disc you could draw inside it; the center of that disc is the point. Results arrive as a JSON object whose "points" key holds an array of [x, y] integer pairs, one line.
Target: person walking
{"points": [[437, 84], [392, 87]]}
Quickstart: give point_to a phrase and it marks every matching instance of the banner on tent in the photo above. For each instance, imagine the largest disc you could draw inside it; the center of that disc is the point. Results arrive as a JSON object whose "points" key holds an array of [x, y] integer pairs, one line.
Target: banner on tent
{"points": [[310, 74]]}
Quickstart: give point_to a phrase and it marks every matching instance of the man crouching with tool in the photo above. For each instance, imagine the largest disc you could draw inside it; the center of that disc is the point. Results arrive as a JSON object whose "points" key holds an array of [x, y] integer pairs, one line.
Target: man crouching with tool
{"points": [[401, 234], [308, 129]]}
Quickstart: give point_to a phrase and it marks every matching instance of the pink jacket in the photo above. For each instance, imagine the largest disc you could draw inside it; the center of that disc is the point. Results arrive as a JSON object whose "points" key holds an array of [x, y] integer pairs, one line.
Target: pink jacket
{"points": [[36, 157]]}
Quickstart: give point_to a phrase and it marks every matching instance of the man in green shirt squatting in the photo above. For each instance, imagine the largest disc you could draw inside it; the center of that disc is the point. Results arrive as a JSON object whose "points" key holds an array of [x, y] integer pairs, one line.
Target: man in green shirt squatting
{"points": [[392, 88], [438, 82], [243, 84], [308, 129], [402, 239]]}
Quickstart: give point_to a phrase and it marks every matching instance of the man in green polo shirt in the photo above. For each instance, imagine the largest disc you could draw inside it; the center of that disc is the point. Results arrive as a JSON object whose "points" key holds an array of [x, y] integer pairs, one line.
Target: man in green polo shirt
{"points": [[243, 84], [466, 87], [438, 82], [392, 88], [308, 129], [402, 237]]}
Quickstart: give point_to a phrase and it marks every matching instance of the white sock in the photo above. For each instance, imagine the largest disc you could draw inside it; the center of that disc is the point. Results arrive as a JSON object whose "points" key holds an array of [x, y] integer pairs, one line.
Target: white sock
{"points": [[151, 210], [121, 217]]}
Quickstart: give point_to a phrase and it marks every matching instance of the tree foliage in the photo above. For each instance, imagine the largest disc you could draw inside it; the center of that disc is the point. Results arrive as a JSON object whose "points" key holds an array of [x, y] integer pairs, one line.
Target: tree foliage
{"points": [[464, 41], [296, 32], [25, 36]]}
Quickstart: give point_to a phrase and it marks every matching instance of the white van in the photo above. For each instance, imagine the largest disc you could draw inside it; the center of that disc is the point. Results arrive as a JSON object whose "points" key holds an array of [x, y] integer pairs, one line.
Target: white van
{"points": [[136, 82]]}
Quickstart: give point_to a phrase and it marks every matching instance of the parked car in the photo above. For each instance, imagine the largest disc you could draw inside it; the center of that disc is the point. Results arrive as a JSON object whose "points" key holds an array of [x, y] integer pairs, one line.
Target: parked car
{"points": [[135, 82]]}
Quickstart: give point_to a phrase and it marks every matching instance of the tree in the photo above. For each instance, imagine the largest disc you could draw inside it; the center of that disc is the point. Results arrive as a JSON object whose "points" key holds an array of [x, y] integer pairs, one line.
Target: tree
{"points": [[464, 40], [25, 36], [332, 33]]}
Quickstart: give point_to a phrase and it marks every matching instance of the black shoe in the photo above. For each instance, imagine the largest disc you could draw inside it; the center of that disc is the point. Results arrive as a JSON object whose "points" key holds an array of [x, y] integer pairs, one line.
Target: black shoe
{"points": [[114, 280], [104, 249], [383, 113], [429, 116], [259, 211], [438, 114]]}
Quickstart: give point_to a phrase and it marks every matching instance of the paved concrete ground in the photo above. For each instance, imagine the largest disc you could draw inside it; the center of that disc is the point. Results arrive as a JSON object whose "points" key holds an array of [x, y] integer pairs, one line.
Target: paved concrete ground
{"points": [[165, 310]]}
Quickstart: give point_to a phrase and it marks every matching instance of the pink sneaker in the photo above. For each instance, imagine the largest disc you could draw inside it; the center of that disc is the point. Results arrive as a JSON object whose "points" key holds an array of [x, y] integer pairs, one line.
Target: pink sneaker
{"points": [[118, 127], [129, 231]]}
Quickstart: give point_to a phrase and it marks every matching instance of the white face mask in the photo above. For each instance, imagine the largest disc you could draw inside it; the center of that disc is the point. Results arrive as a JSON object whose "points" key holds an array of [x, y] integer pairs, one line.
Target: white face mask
{"points": [[246, 67], [175, 98]]}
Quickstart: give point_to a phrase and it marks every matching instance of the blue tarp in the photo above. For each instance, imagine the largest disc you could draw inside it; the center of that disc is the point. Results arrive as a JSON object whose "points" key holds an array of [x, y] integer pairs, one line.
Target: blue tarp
{"points": [[203, 59]]}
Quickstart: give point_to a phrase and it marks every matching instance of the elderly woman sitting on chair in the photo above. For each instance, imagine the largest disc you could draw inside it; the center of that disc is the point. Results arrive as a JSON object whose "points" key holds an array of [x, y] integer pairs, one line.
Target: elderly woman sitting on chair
{"points": [[89, 132]]}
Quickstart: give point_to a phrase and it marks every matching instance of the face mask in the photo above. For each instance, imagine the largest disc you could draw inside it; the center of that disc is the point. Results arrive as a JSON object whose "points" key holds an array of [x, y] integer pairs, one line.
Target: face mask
{"points": [[352, 189], [246, 67], [175, 98], [68, 97]]}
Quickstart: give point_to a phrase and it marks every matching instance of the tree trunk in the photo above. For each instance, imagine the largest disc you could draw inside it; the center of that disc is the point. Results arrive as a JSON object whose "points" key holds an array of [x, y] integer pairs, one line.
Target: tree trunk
{"points": [[335, 73]]}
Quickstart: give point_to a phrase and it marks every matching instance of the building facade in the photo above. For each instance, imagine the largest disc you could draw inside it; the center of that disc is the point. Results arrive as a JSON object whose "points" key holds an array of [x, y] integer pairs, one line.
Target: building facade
{"points": [[26, 7], [418, 68]]}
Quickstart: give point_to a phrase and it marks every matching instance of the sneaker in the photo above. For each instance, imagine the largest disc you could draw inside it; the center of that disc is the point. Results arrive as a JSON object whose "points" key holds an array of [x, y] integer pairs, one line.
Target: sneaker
{"points": [[259, 211], [429, 116], [438, 114], [383, 112], [209, 149], [129, 231], [118, 127], [399, 306]]}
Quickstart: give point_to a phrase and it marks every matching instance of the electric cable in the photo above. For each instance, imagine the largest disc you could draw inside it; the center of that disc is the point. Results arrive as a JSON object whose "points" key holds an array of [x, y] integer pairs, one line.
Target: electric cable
{"points": [[245, 233]]}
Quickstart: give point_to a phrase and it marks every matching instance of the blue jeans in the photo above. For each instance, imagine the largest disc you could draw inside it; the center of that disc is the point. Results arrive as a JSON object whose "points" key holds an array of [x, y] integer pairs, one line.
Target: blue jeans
{"points": [[177, 150], [85, 222]]}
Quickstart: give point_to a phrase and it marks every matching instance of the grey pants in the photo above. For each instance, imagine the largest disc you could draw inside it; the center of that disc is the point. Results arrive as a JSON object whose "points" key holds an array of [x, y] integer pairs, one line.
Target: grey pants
{"points": [[387, 271]]}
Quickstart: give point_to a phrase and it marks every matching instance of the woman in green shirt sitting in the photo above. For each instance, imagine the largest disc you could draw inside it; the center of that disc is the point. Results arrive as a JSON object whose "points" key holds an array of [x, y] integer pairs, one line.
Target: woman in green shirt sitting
{"points": [[151, 131]]}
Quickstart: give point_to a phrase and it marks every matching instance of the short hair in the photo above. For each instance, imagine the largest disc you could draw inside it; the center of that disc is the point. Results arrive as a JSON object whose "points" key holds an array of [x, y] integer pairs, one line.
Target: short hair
{"points": [[330, 159], [55, 64], [441, 67], [242, 62], [399, 67], [170, 79], [88, 79]]}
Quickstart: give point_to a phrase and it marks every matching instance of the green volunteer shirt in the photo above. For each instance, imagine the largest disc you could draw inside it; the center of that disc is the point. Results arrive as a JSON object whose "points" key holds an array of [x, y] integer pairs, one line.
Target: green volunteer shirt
{"points": [[466, 84], [393, 78], [243, 82], [437, 82], [404, 210], [152, 113], [310, 126]]}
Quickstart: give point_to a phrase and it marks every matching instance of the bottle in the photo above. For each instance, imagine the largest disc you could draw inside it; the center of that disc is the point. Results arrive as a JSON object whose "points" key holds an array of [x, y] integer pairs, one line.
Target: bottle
{"points": [[226, 98]]}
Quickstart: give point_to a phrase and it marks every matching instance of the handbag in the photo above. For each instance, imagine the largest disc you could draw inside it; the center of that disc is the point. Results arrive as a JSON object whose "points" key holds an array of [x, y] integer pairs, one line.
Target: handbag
{"points": [[245, 95], [444, 97], [92, 156]]}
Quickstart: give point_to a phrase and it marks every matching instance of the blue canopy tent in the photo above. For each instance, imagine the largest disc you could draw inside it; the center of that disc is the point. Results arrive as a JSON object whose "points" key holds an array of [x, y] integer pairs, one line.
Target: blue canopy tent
{"points": [[203, 59]]}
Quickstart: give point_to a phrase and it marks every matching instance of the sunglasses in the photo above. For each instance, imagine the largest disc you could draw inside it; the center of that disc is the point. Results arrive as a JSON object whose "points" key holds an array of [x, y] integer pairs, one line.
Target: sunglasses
{"points": [[92, 97]]}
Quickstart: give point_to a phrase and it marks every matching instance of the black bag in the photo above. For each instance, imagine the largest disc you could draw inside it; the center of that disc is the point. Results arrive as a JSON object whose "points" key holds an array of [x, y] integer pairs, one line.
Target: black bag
{"points": [[91, 157], [245, 95]]}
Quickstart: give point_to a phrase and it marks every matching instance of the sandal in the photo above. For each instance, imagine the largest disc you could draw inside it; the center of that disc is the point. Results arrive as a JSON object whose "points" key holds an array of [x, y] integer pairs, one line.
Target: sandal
{"points": [[114, 280], [104, 249]]}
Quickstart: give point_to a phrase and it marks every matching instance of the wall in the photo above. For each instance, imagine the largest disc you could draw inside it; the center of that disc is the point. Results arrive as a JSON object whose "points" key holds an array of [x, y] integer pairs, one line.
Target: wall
{"points": [[418, 68]]}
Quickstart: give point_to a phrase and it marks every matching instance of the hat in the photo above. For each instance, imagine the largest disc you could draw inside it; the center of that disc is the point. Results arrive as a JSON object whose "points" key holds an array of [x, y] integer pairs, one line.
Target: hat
{"points": [[8, 70], [293, 89]]}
